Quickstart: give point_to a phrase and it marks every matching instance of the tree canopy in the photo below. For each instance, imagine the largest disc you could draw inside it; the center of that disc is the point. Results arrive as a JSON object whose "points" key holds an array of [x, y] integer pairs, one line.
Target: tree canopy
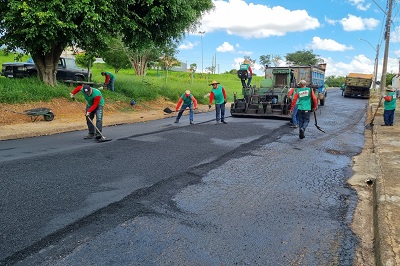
{"points": [[44, 28], [302, 58]]}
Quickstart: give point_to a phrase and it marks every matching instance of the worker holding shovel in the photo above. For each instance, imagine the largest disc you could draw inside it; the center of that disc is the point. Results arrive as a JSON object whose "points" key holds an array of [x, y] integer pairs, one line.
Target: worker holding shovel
{"points": [[186, 100], [95, 104]]}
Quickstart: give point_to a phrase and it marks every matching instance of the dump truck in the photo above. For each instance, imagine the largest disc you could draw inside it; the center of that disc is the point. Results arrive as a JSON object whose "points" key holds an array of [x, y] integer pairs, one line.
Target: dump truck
{"points": [[270, 98], [358, 85]]}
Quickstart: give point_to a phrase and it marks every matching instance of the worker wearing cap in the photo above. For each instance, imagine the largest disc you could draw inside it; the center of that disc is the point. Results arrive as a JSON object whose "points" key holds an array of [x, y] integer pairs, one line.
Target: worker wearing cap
{"points": [[389, 106], [187, 100], [218, 94], [306, 102], [95, 104]]}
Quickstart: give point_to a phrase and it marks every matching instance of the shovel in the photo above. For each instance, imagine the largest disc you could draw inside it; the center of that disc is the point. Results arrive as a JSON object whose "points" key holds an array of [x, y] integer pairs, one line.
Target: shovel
{"points": [[169, 111], [316, 124], [371, 124], [102, 139]]}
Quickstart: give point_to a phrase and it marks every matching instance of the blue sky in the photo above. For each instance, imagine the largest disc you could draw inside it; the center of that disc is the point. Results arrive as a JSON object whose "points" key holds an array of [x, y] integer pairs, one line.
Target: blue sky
{"points": [[331, 28]]}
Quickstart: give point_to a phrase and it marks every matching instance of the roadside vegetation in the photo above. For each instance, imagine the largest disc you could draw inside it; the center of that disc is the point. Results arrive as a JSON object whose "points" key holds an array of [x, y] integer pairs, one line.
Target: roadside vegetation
{"points": [[128, 86]]}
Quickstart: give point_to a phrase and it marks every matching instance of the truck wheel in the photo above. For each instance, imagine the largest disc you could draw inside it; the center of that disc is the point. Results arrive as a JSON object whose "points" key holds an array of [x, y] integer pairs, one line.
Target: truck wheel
{"points": [[78, 78]]}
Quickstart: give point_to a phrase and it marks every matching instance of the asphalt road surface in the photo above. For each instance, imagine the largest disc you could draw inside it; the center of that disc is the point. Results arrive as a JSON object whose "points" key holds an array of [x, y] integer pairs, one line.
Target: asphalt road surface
{"points": [[246, 193]]}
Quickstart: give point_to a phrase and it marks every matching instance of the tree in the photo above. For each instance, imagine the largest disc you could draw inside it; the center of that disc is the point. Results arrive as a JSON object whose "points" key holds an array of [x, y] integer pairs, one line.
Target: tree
{"points": [[86, 60], [389, 78], [115, 55], [252, 61], [193, 67], [265, 60], [140, 58], [232, 71], [210, 69], [334, 81], [168, 59], [302, 58], [44, 28], [276, 60]]}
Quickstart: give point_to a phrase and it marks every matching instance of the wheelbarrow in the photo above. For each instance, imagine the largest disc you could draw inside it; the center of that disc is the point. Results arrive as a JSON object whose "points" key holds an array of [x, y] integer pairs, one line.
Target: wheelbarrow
{"points": [[36, 112]]}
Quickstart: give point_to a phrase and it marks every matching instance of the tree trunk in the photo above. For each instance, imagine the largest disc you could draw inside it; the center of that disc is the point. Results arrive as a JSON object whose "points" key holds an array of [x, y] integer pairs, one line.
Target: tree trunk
{"points": [[46, 65], [140, 65]]}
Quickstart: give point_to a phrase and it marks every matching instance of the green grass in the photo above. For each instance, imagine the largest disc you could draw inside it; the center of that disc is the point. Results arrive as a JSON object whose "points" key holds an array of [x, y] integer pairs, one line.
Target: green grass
{"points": [[128, 86]]}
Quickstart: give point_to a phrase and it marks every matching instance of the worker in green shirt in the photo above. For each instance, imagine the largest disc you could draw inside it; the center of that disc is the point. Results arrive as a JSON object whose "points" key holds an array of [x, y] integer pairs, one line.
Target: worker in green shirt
{"points": [[110, 79], [389, 106]]}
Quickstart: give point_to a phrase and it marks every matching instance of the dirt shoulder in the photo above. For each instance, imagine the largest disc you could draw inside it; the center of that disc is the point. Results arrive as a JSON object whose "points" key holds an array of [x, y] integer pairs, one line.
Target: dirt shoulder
{"points": [[69, 116]]}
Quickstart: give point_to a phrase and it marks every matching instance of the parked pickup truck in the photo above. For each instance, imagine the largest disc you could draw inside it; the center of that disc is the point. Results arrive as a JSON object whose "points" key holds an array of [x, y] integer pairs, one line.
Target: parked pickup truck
{"points": [[66, 70]]}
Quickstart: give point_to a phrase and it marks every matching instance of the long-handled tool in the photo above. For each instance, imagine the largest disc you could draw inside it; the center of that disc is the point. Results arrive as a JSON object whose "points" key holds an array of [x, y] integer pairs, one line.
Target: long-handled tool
{"points": [[102, 139], [169, 111], [316, 124], [371, 124]]}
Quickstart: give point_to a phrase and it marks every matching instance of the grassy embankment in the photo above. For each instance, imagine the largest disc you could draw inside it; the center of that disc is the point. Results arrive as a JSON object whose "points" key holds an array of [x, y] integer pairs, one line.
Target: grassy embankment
{"points": [[128, 86]]}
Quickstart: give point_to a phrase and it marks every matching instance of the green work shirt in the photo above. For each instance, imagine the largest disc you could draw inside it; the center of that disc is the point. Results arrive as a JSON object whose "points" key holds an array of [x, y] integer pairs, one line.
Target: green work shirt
{"points": [[392, 104], [244, 67], [218, 95], [111, 75], [304, 99], [90, 99], [187, 100]]}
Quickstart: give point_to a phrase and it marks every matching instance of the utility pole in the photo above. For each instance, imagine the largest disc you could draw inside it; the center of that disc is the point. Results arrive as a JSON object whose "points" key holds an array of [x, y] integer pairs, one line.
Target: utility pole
{"points": [[201, 34], [376, 61], [387, 39], [376, 66]]}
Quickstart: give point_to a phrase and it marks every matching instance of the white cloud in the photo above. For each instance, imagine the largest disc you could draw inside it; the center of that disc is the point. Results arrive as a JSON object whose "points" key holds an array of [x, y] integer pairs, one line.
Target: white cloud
{"points": [[395, 35], [359, 64], [225, 47], [360, 4], [328, 45], [230, 16], [353, 23], [244, 52], [187, 46], [330, 21]]}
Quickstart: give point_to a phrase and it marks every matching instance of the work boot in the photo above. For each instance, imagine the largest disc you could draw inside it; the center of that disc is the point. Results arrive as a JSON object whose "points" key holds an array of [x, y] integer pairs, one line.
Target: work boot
{"points": [[89, 136], [176, 121], [217, 122], [97, 136], [223, 122], [301, 133], [191, 122]]}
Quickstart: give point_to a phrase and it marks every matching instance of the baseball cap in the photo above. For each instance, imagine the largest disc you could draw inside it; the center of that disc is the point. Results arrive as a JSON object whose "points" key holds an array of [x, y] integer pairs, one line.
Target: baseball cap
{"points": [[302, 82], [86, 89], [187, 92]]}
